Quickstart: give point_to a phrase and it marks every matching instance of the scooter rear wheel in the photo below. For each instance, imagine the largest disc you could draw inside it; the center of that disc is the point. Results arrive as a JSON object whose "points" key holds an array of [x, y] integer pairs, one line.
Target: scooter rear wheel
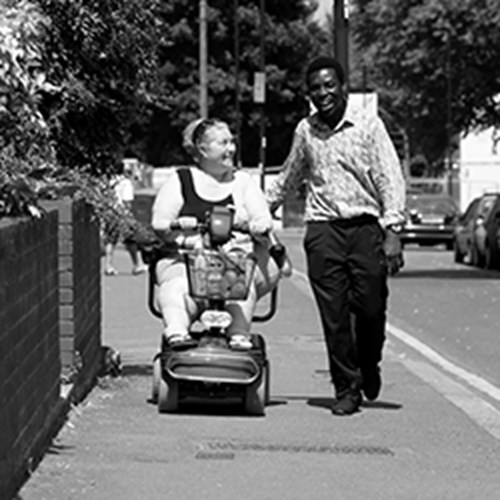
{"points": [[256, 396], [168, 396], [267, 392], [156, 378]]}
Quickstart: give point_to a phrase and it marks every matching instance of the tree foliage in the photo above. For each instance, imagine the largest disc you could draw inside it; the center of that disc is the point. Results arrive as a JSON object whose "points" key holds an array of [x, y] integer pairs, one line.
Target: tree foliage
{"points": [[85, 82], [434, 64], [23, 130], [101, 55], [290, 40], [47, 97]]}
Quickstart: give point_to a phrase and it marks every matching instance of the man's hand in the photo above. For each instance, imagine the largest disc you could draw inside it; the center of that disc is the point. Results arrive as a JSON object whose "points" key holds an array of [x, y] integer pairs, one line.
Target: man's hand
{"points": [[393, 252]]}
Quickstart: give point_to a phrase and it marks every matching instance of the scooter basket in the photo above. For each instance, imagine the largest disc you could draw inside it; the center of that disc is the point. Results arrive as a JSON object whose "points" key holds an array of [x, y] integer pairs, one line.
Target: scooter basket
{"points": [[214, 274]]}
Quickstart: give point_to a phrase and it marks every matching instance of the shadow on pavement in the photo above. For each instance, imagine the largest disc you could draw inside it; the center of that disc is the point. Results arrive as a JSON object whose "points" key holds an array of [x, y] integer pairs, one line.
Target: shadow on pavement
{"points": [[137, 370], [381, 405], [231, 407], [326, 403], [57, 449], [459, 274]]}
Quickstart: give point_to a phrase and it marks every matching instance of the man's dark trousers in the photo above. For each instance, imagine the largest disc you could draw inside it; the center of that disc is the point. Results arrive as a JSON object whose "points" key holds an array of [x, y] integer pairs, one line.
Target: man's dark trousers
{"points": [[348, 274]]}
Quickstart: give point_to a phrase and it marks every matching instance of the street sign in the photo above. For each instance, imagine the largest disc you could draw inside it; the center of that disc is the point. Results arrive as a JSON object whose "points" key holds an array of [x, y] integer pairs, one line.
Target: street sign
{"points": [[259, 87]]}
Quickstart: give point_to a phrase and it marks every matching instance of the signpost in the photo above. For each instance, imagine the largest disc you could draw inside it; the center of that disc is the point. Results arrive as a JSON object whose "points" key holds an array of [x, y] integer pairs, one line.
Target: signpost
{"points": [[260, 95]]}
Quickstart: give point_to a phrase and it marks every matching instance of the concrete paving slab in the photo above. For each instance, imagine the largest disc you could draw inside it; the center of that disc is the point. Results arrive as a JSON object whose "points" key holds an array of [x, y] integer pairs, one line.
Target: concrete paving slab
{"points": [[413, 443]]}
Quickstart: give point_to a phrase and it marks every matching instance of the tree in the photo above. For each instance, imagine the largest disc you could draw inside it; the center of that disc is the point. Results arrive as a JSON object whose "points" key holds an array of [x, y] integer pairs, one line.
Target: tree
{"points": [[23, 130], [434, 64], [291, 38], [101, 55]]}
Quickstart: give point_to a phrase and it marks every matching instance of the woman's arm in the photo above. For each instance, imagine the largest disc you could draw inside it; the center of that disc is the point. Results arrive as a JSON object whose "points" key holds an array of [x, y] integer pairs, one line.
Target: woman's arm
{"points": [[167, 206], [254, 205]]}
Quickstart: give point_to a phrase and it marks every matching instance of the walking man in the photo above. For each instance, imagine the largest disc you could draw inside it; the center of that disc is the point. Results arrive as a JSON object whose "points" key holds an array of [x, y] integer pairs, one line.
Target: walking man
{"points": [[354, 209]]}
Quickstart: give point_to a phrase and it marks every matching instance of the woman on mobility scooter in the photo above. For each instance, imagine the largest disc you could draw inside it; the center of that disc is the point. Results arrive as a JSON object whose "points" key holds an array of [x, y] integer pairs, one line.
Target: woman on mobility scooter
{"points": [[185, 198]]}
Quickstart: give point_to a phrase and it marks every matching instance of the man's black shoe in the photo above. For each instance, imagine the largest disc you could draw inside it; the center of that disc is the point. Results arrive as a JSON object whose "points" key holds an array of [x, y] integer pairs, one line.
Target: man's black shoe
{"points": [[347, 404], [372, 383]]}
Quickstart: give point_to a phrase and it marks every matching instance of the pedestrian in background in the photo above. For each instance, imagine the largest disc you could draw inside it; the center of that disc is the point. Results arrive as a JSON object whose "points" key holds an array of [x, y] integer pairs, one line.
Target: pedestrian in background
{"points": [[123, 186], [354, 208]]}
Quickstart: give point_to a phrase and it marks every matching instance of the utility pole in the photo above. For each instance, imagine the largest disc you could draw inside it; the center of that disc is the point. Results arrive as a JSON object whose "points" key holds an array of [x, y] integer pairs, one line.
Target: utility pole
{"points": [[341, 33], [203, 59], [237, 82]]}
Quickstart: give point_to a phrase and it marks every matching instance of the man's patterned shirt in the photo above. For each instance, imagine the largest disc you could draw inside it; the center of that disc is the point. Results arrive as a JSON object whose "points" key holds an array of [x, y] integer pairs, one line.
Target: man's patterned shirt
{"points": [[349, 171]]}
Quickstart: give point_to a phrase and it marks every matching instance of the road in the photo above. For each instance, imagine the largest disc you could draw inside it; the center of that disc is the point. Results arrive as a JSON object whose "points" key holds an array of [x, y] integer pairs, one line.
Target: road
{"points": [[454, 308], [434, 433]]}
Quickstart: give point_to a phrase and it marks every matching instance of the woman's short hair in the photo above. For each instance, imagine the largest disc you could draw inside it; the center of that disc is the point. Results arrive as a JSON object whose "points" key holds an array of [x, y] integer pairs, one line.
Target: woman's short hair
{"points": [[187, 136], [194, 133]]}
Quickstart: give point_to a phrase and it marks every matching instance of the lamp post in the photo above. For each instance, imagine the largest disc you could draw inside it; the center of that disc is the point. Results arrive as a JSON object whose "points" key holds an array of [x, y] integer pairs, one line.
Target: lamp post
{"points": [[449, 123], [203, 59], [341, 33]]}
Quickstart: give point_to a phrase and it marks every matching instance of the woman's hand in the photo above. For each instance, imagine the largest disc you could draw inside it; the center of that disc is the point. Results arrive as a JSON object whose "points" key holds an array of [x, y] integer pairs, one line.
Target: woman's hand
{"points": [[187, 223]]}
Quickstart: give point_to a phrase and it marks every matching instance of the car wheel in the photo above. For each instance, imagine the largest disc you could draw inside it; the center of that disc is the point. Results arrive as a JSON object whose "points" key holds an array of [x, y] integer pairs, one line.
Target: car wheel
{"points": [[492, 260], [476, 259], [457, 254]]}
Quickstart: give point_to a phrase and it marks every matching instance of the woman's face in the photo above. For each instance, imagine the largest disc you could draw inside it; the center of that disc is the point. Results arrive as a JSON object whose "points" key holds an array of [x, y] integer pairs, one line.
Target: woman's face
{"points": [[217, 149]]}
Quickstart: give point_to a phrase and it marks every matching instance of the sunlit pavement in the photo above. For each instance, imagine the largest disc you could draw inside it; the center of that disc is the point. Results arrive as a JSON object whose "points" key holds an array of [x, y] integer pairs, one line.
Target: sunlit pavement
{"points": [[429, 436]]}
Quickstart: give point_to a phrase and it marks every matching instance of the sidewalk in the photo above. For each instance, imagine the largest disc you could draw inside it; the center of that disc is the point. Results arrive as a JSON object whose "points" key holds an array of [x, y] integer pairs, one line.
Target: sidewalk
{"points": [[411, 444]]}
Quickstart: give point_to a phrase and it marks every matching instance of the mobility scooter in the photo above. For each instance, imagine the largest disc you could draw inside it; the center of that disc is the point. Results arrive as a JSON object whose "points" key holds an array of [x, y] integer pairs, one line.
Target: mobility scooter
{"points": [[211, 370]]}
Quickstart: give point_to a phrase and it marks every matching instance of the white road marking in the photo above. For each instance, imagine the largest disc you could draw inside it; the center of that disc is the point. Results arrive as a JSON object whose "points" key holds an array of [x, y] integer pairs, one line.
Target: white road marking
{"points": [[482, 412], [470, 378], [479, 410]]}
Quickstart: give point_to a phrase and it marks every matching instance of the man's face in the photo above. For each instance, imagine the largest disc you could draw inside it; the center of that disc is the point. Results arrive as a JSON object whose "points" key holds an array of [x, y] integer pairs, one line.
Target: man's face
{"points": [[327, 92]]}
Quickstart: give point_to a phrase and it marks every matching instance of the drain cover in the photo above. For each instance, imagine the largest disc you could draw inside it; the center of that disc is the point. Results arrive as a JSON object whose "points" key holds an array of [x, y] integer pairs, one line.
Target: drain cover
{"points": [[228, 446], [215, 455]]}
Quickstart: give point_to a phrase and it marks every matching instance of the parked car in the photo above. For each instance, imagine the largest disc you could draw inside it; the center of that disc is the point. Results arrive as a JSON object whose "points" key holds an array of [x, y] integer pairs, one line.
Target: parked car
{"points": [[431, 220], [492, 244], [475, 240]]}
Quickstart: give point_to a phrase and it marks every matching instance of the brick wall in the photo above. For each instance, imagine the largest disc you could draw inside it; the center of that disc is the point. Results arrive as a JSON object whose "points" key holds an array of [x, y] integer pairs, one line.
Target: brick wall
{"points": [[79, 294], [29, 341], [86, 294], [50, 308]]}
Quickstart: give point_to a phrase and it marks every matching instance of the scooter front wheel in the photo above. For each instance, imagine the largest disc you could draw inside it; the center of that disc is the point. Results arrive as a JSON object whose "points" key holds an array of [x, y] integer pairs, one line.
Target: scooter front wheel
{"points": [[168, 396]]}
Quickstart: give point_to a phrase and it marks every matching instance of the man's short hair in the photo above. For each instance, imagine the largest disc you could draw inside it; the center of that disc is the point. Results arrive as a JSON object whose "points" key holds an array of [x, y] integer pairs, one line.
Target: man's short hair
{"points": [[323, 62]]}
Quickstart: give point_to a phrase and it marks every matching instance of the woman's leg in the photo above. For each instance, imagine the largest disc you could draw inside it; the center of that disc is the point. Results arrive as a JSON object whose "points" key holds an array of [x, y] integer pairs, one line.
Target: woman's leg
{"points": [[177, 308], [242, 312]]}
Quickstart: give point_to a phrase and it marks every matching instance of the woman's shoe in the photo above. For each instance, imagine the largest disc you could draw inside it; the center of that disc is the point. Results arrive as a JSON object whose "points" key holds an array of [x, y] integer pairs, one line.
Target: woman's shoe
{"points": [[180, 341], [240, 342], [111, 272]]}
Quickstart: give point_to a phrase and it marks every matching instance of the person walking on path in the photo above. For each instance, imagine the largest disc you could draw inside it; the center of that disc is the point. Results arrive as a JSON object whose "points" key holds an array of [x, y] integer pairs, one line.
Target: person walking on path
{"points": [[124, 193], [354, 209]]}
